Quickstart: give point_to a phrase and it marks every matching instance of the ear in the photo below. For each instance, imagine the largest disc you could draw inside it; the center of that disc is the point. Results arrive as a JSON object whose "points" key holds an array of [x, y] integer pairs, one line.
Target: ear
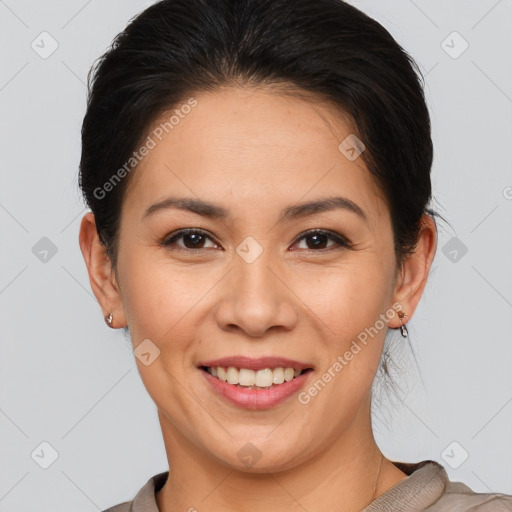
{"points": [[101, 276], [414, 273]]}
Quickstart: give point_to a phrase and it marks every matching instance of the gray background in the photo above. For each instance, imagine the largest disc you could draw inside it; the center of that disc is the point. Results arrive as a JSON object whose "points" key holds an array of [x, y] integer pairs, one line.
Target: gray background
{"points": [[68, 380]]}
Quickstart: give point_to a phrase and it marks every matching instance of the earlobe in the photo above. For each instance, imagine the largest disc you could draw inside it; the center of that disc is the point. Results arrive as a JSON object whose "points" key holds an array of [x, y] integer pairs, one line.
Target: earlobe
{"points": [[415, 270], [101, 275]]}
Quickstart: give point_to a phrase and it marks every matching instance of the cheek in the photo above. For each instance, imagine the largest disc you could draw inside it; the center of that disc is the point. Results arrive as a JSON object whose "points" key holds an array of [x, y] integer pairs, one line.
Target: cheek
{"points": [[349, 302], [159, 305], [347, 298], [157, 295]]}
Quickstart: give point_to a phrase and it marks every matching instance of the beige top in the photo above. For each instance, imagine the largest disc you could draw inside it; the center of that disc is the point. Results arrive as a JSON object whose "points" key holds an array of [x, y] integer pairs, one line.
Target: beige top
{"points": [[426, 488]]}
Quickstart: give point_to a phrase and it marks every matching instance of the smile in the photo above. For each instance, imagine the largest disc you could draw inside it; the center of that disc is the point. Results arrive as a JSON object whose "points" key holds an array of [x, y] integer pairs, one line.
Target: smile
{"points": [[256, 389], [254, 379]]}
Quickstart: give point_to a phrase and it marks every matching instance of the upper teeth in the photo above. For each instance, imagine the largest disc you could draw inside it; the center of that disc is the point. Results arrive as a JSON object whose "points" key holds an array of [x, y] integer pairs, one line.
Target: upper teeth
{"points": [[260, 378]]}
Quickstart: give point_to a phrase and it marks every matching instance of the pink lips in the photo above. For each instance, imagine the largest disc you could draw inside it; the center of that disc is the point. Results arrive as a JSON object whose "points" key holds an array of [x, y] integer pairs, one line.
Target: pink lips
{"points": [[264, 398]]}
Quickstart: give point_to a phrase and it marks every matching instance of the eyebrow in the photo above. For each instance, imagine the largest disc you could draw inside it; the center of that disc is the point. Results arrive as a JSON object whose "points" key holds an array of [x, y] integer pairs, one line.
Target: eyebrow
{"points": [[214, 211]]}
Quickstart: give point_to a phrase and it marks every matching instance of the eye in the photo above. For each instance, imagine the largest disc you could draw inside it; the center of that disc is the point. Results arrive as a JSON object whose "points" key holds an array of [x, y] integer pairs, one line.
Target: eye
{"points": [[319, 237], [193, 238]]}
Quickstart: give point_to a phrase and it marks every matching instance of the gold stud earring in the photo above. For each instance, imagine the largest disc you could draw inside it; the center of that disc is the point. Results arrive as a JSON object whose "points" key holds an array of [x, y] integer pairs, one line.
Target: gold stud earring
{"points": [[403, 329], [109, 318]]}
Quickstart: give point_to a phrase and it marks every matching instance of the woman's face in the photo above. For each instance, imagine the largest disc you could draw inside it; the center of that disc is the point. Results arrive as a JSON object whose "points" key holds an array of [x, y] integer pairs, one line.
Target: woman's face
{"points": [[249, 283]]}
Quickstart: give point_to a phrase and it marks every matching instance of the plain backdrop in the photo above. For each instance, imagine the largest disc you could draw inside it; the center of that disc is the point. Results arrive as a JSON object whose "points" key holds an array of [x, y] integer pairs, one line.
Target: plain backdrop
{"points": [[70, 395]]}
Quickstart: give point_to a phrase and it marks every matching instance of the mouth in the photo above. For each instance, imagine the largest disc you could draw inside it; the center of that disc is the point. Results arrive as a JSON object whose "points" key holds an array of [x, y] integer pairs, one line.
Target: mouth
{"points": [[248, 378], [255, 383]]}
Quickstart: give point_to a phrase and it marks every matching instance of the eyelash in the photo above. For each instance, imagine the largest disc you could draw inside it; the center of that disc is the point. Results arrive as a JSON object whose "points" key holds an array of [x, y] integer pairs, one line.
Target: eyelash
{"points": [[340, 240]]}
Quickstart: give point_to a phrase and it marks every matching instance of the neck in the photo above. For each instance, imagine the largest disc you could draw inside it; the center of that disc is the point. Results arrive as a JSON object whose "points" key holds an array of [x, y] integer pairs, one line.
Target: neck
{"points": [[345, 476]]}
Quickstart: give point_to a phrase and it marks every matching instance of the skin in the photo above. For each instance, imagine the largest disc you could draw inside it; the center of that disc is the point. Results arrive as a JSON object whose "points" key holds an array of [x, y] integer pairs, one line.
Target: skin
{"points": [[255, 152]]}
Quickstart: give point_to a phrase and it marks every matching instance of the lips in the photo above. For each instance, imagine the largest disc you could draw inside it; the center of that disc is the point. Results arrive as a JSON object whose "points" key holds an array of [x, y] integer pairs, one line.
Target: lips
{"points": [[266, 393]]}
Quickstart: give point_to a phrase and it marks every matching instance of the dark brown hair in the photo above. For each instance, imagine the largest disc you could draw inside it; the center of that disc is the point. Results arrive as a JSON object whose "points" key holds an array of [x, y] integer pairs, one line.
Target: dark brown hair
{"points": [[176, 48]]}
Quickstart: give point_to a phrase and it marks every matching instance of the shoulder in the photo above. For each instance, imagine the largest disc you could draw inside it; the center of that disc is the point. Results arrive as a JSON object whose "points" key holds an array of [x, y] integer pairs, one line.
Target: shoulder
{"points": [[458, 497], [428, 488], [122, 507], [145, 500]]}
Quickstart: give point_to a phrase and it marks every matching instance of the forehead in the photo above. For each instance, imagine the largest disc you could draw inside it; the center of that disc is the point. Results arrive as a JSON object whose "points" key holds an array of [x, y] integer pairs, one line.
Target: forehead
{"points": [[253, 147]]}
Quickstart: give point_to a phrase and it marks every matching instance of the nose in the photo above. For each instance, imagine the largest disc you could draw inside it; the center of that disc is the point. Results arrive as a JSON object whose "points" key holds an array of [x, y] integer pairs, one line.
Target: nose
{"points": [[255, 297]]}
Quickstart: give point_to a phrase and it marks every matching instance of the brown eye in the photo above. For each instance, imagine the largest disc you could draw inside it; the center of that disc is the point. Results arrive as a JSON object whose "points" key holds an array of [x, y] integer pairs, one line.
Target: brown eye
{"points": [[192, 239], [317, 240]]}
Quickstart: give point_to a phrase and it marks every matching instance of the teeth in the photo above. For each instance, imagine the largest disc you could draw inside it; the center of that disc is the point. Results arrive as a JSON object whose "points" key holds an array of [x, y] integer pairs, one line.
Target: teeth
{"points": [[244, 377], [232, 375], [264, 378], [221, 373], [278, 376]]}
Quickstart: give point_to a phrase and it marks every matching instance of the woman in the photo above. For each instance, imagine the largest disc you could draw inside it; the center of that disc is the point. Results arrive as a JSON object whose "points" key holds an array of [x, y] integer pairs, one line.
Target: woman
{"points": [[258, 173]]}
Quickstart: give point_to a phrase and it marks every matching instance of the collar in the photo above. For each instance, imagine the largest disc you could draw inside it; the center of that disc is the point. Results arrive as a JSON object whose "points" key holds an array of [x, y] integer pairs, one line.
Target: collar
{"points": [[424, 485]]}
